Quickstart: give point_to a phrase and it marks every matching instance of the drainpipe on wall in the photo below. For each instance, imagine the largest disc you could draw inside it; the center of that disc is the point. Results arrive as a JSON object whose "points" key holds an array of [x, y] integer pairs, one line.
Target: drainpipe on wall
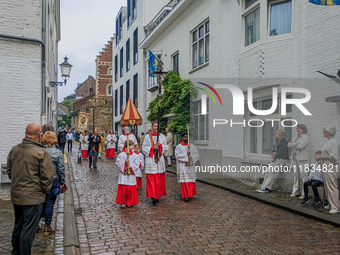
{"points": [[43, 66]]}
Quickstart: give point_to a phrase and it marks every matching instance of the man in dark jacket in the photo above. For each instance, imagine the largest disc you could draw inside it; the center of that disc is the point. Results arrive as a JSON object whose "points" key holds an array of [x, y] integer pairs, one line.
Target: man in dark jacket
{"points": [[31, 172], [92, 151], [62, 139]]}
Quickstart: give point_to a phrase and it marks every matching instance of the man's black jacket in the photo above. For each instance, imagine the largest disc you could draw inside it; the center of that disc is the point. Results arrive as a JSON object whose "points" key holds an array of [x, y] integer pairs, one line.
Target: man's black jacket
{"points": [[92, 143], [282, 149]]}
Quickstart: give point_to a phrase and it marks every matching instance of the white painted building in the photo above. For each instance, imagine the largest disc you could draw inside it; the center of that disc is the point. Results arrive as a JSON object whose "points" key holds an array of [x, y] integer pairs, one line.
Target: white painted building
{"points": [[29, 35], [129, 73], [244, 39]]}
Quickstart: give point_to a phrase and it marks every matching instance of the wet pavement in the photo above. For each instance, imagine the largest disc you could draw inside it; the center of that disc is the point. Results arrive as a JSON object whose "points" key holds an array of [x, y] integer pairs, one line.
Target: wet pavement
{"points": [[216, 221], [42, 244]]}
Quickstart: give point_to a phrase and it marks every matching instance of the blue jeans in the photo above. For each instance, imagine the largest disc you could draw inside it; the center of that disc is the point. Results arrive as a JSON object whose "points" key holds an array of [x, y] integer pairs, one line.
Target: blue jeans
{"points": [[47, 210]]}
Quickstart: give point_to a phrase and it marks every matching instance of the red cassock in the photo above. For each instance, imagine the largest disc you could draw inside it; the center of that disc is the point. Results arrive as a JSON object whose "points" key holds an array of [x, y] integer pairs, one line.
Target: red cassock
{"points": [[155, 185], [188, 189], [110, 153], [84, 154], [139, 182], [127, 195]]}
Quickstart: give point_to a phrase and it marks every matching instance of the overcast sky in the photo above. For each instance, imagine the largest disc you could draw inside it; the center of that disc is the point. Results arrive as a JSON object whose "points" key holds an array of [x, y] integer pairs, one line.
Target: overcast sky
{"points": [[86, 26]]}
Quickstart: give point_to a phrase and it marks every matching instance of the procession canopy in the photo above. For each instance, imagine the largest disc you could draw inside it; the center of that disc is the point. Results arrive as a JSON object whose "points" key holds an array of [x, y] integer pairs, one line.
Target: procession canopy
{"points": [[131, 116]]}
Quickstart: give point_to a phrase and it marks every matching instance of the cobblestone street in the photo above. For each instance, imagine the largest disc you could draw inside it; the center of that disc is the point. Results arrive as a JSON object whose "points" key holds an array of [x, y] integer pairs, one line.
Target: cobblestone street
{"points": [[214, 222], [46, 245]]}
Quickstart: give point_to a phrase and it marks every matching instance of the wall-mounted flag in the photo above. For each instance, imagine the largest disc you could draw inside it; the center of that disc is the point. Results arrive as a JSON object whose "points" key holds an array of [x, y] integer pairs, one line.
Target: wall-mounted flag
{"points": [[325, 2], [153, 63]]}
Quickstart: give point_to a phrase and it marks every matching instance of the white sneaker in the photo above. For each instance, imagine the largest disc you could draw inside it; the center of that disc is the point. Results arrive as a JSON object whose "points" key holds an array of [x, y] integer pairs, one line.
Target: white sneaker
{"points": [[333, 211], [327, 207], [301, 197], [292, 195]]}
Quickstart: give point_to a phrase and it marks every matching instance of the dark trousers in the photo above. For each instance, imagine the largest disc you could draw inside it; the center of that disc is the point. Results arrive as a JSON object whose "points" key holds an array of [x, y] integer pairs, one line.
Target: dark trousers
{"points": [[25, 227], [69, 144], [62, 147], [93, 154], [315, 184], [47, 209]]}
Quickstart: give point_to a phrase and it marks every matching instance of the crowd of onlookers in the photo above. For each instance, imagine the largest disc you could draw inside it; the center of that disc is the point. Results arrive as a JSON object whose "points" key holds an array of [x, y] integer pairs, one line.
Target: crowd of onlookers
{"points": [[37, 172], [322, 172]]}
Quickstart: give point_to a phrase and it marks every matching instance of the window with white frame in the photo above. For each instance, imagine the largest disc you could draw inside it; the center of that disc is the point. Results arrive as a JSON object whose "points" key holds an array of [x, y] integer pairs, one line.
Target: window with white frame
{"points": [[116, 102], [116, 68], [131, 12], [128, 55], [135, 46], [121, 103], [200, 44], [278, 22], [280, 17], [175, 64], [260, 140], [201, 122], [252, 27], [121, 60], [119, 24]]}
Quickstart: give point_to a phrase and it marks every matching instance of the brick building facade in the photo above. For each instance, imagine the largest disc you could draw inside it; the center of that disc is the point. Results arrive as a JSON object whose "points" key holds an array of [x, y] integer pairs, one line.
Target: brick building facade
{"points": [[85, 88], [100, 88], [103, 116]]}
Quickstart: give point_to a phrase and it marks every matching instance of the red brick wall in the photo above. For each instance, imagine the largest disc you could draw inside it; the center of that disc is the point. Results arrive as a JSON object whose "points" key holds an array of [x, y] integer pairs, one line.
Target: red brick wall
{"points": [[85, 88], [104, 64]]}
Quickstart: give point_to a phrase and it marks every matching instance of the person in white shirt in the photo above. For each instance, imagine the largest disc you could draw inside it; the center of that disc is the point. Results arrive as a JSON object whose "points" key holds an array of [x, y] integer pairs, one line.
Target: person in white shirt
{"points": [[123, 138], [69, 138], [139, 174], [314, 180], [84, 144], [186, 174], [155, 167], [127, 189], [300, 157], [329, 159], [111, 140]]}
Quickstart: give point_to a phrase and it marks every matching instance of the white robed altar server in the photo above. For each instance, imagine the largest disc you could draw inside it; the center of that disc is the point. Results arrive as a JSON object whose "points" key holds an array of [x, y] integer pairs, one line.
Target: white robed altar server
{"points": [[155, 172], [111, 140], [186, 175], [84, 144], [127, 188], [139, 173], [123, 138]]}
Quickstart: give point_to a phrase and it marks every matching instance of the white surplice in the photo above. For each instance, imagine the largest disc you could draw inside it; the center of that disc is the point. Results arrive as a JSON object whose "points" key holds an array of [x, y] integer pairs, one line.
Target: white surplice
{"points": [[123, 138], [186, 173], [134, 163], [150, 165], [141, 165], [82, 138], [110, 145]]}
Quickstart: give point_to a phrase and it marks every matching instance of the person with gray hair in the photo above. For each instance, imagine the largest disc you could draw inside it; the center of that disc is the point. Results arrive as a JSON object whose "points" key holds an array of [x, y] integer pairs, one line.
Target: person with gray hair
{"points": [[169, 141], [280, 157], [300, 159], [329, 163]]}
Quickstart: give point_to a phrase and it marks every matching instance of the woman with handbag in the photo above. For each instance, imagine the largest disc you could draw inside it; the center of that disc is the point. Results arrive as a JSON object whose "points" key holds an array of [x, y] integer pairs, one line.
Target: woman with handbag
{"points": [[49, 141]]}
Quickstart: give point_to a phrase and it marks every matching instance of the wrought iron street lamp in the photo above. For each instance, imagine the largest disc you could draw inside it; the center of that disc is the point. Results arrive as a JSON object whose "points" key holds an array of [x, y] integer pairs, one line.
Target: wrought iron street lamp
{"points": [[65, 73]]}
